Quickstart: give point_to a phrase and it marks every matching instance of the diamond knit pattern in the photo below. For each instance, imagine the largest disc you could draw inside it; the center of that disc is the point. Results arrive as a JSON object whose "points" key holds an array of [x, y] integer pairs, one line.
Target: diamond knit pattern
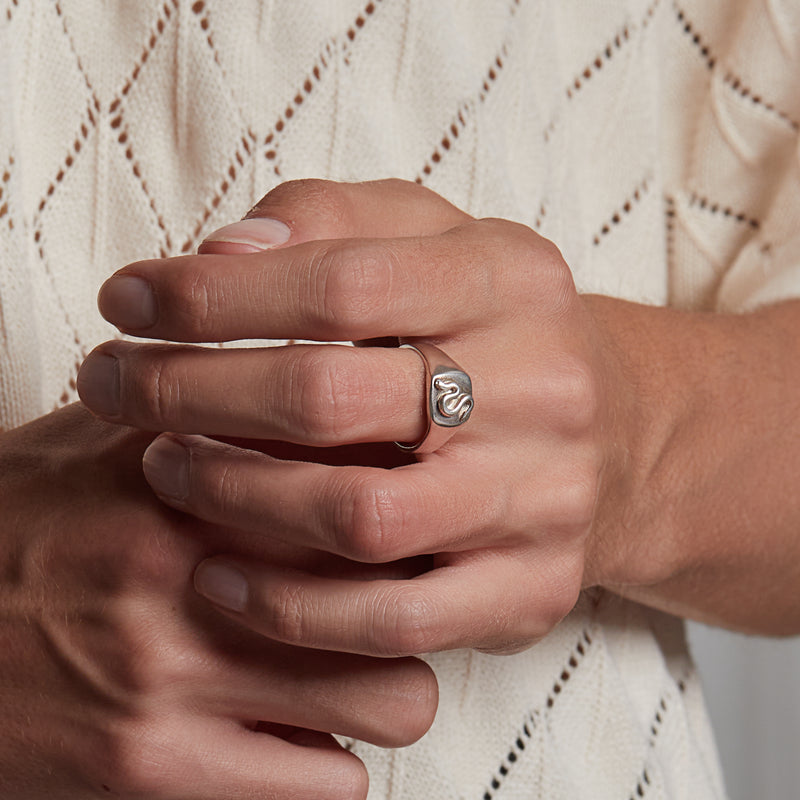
{"points": [[655, 141]]}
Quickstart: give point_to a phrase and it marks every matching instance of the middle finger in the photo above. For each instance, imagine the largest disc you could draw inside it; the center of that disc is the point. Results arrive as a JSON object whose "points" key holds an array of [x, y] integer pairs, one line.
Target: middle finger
{"points": [[365, 514]]}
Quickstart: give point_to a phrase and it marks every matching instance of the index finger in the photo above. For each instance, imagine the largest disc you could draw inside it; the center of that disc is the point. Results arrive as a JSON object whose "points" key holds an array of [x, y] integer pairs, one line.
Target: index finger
{"points": [[291, 214], [345, 289]]}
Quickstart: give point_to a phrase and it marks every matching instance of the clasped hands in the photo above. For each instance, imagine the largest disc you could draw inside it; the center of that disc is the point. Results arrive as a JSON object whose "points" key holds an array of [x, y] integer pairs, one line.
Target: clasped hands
{"points": [[484, 543], [495, 523]]}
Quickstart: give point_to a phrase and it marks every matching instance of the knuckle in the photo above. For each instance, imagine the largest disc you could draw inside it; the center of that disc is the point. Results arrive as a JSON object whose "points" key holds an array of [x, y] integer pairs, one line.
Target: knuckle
{"points": [[552, 268], [193, 301], [374, 523], [216, 485], [287, 612], [355, 280], [407, 621], [324, 402], [520, 243], [578, 502], [579, 395], [156, 394], [566, 591], [556, 595], [535, 265], [479, 241]]}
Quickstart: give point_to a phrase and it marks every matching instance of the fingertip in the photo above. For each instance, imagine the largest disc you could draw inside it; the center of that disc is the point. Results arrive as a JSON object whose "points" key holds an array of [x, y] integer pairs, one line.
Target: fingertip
{"points": [[348, 779], [359, 780], [429, 698], [420, 693], [223, 584], [352, 780], [98, 383], [129, 302], [166, 468]]}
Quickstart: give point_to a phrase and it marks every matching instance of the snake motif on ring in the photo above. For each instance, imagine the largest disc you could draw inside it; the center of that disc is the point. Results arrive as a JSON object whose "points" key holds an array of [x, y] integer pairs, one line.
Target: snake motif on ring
{"points": [[453, 400]]}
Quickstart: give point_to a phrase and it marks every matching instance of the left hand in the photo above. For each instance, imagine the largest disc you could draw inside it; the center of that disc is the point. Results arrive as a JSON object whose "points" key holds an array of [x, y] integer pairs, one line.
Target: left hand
{"points": [[506, 508]]}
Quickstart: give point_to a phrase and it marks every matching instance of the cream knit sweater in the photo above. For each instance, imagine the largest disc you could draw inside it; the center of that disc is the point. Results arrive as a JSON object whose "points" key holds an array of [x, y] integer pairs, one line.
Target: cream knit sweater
{"points": [[655, 141]]}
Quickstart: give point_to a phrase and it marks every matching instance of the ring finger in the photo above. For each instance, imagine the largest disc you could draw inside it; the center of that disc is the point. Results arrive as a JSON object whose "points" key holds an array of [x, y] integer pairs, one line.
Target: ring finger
{"points": [[322, 395]]}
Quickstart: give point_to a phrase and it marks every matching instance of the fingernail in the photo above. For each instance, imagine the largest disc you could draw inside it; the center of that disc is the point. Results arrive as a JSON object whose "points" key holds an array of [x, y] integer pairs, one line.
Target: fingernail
{"points": [[98, 384], [166, 467], [222, 584], [248, 236], [128, 302]]}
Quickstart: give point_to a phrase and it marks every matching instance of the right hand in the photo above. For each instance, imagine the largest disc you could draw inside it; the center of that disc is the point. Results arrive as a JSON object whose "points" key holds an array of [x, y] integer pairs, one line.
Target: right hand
{"points": [[117, 680]]}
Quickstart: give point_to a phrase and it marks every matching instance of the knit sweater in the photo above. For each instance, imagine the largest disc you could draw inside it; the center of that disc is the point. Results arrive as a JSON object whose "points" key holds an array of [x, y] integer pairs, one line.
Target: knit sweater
{"points": [[655, 141]]}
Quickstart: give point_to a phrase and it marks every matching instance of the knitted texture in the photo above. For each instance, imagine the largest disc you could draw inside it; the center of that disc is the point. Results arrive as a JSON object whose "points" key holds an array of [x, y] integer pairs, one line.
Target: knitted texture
{"points": [[656, 142]]}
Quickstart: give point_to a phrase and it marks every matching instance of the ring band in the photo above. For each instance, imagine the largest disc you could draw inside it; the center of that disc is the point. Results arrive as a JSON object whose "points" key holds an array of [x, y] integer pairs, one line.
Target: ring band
{"points": [[448, 401]]}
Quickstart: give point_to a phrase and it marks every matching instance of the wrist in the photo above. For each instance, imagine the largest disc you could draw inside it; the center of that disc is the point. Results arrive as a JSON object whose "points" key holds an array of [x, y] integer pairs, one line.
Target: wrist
{"points": [[698, 510], [634, 541]]}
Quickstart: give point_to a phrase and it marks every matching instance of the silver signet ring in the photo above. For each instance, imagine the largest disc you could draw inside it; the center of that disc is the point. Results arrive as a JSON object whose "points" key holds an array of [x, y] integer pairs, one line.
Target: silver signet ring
{"points": [[449, 400]]}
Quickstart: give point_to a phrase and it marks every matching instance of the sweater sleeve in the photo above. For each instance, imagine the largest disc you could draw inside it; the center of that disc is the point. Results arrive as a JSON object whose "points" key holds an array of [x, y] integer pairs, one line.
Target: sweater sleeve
{"points": [[731, 143]]}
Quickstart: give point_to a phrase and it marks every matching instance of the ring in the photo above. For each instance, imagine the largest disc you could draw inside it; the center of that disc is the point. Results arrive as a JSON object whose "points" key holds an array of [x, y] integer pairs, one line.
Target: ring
{"points": [[449, 399]]}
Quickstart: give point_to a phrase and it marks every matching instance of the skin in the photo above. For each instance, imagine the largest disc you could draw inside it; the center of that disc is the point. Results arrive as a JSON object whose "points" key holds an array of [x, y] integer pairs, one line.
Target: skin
{"points": [[598, 454], [118, 680]]}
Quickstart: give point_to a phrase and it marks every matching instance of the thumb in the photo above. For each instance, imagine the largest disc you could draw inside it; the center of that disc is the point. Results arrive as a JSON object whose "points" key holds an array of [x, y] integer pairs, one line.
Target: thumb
{"points": [[313, 210]]}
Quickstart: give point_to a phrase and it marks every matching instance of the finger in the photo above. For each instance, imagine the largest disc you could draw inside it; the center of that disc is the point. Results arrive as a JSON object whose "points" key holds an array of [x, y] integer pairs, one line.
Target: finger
{"points": [[390, 703], [498, 599], [331, 290], [308, 210], [362, 513], [318, 395], [292, 213], [205, 760]]}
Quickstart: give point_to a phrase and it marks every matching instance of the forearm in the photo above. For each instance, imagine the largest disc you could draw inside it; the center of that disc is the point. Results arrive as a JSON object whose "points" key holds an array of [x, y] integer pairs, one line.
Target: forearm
{"points": [[702, 513]]}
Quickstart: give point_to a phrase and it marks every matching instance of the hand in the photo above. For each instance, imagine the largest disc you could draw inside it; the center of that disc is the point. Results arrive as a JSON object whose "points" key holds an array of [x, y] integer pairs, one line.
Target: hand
{"points": [[506, 506], [116, 679]]}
